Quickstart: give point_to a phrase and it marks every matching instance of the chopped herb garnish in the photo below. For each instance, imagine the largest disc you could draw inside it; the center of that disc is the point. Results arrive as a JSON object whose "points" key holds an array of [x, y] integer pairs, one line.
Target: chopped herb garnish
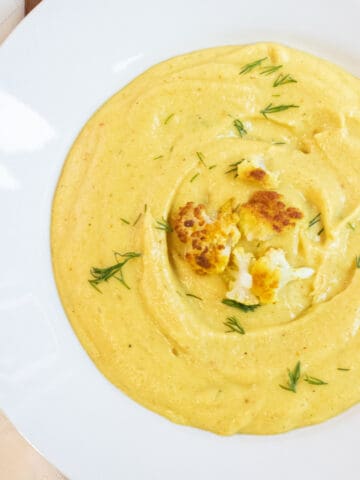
{"points": [[137, 219], [357, 261], [276, 108], [271, 69], [283, 79], [314, 380], [125, 221], [234, 166], [167, 119], [195, 176], [212, 166], [294, 377], [240, 306], [193, 296], [201, 157], [163, 224], [114, 271], [315, 220], [240, 127], [234, 326], [351, 225], [344, 369], [276, 95], [145, 207], [279, 143], [321, 231], [250, 66], [159, 156]]}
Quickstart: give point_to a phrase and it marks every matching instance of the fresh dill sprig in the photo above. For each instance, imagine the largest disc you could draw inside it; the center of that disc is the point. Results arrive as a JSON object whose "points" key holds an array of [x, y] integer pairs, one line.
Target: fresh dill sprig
{"points": [[167, 119], [357, 261], [321, 231], [234, 166], [279, 143], [125, 221], [201, 158], [314, 380], [194, 177], [315, 220], [283, 80], [238, 124], [163, 224], [114, 271], [240, 306], [270, 69], [137, 219], [276, 108], [159, 156], [247, 68], [344, 369], [294, 376], [193, 296], [233, 325]]}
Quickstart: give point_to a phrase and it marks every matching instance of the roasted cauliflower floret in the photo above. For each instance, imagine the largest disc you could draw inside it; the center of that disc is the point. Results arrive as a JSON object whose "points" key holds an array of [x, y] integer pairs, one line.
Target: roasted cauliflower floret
{"points": [[190, 218], [265, 215], [253, 169], [272, 272], [208, 240], [239, 278]]}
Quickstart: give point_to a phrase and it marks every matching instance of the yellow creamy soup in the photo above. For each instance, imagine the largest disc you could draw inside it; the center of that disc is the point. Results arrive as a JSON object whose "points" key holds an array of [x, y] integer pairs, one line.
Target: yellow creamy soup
{"points": [[206, 239]]}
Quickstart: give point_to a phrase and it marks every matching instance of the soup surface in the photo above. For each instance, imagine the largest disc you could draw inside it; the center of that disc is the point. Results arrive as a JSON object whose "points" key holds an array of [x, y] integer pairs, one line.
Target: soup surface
{"points": [[206, 239]]}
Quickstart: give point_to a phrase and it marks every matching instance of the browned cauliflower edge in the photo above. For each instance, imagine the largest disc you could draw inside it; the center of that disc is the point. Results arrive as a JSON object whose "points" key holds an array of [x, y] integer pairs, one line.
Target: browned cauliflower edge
{"points": [[208, 241], [265, 215]]}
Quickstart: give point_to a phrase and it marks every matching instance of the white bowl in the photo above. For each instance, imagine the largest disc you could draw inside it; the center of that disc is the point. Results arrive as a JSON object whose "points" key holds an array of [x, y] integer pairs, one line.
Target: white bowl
{"points": [[62, 62]]}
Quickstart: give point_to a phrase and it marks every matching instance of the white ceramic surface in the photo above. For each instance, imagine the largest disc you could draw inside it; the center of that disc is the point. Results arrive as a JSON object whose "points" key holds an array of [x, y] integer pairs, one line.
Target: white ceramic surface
{"points": [[60, 64]]}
